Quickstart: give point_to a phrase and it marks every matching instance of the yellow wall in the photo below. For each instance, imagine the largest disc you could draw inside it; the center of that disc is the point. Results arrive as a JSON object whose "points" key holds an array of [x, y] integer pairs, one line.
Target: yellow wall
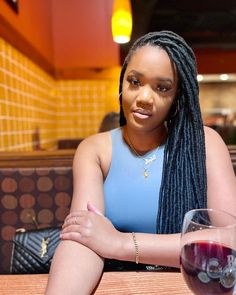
{"points": [[30, 99], [83, 104]]}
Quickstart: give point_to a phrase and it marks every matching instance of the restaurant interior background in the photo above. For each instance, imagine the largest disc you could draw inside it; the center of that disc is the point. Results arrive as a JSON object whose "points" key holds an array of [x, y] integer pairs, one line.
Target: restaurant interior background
{"points": [[59, 66]]}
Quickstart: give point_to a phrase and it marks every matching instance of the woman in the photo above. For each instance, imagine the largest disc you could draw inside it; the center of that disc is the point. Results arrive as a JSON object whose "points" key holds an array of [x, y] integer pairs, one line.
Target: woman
{"points": [[145, 175]]}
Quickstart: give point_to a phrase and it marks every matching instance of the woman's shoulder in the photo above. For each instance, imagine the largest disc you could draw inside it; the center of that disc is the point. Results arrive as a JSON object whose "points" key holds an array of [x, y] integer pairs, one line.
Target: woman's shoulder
{"points": [[220, 173], [95, 142], [212, 136], [214, 141], [95, 149]]}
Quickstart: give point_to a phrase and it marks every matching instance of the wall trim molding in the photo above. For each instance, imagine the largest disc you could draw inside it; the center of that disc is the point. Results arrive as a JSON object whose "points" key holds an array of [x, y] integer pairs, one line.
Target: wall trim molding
{"points": [[9, 34]]}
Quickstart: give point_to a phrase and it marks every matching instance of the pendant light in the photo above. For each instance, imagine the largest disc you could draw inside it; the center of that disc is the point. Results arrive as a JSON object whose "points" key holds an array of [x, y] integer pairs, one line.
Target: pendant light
{"points": [[121, 21]]}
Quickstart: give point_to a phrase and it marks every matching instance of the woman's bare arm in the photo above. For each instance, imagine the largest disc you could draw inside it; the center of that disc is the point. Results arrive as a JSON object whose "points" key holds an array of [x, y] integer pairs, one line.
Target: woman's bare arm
{"points": [[221, 181], [153, 249], [96, 232], [76, 269]]}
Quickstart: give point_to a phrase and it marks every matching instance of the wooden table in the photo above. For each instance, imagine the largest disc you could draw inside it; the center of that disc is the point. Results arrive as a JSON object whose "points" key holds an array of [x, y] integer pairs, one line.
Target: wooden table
{"points": [[116, 283]]}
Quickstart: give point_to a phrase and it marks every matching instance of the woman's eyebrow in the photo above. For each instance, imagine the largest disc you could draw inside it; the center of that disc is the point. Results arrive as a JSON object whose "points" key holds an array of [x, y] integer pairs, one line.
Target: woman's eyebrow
{"points": [[135, 73], [161, 79], [158, 79]]}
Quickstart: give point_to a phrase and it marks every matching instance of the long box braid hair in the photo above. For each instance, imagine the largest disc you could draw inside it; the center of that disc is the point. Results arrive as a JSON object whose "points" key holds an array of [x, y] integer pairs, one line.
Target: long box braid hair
{"points": [[184, 181]]}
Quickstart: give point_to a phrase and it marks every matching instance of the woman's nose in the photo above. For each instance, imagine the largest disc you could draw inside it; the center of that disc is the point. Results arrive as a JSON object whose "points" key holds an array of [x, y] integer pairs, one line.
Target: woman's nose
{"points": [[145, 96]]}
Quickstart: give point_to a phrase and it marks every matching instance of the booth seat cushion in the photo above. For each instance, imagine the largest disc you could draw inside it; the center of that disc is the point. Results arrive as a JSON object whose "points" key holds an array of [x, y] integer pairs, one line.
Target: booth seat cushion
{"points": [[31, 198]]}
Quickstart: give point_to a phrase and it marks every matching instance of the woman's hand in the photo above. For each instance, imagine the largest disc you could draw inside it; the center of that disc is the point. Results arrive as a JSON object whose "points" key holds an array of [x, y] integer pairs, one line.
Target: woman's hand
{"points": [[93, 230]]}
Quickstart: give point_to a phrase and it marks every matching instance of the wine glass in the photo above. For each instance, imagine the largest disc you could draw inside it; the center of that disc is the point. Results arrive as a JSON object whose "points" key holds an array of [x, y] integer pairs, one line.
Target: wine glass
{"points": [[208, 251]]}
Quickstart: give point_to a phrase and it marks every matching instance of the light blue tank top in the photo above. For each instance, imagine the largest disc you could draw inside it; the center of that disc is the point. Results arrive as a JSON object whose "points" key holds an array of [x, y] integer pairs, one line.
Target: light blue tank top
{"points": [[131, 200]]}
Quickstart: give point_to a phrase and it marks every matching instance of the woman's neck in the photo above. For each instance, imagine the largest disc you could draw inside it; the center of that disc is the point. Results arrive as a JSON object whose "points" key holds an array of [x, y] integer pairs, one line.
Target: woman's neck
{"points": [[143, 141]]}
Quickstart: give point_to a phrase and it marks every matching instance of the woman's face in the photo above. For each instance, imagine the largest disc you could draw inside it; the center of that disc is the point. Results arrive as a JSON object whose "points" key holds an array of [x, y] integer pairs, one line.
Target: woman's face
{"points": [[149, 88]]}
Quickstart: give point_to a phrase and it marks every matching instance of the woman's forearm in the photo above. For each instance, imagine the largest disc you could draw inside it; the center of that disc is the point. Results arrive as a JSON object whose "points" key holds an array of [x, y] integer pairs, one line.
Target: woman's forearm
{"points": [[152, 249], [75, 270], [98, 234]]}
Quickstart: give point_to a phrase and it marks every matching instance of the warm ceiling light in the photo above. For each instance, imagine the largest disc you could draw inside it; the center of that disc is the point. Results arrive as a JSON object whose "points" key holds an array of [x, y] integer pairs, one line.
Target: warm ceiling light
{"points": [[200, 77], [224, 77], [121, 21]]}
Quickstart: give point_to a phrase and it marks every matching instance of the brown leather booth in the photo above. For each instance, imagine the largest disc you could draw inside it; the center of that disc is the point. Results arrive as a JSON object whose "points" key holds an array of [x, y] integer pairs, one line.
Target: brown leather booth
{"points": [[36, 191]]}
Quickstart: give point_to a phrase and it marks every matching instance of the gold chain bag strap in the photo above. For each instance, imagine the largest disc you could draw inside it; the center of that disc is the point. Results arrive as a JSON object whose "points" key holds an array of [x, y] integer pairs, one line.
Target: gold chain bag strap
{"points": [[33, 250]]}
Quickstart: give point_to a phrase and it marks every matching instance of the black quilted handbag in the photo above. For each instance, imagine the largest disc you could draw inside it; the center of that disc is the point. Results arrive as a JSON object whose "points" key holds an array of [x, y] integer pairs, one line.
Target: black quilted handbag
{"points": [[33, 250]]}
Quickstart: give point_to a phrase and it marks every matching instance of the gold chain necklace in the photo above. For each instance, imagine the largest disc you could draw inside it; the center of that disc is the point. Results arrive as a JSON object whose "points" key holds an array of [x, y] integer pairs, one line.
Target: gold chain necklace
{"points": [[147, 161]]}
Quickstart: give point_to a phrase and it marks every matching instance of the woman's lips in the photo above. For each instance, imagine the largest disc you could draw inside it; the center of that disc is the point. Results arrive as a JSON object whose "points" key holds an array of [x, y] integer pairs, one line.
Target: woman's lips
{"points": [[142, 114]]}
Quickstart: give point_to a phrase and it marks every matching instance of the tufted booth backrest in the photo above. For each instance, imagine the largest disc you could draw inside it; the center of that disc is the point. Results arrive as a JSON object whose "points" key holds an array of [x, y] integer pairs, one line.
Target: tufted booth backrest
{"points": [[36, 191]]}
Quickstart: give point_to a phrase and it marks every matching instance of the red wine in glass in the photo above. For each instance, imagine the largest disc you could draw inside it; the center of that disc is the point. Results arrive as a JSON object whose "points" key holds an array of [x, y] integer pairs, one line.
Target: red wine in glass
{"points": [[209, 268]]}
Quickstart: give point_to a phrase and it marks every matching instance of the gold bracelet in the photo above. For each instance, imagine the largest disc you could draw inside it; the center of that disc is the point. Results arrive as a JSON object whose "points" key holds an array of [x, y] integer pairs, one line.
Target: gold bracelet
{"points": [[136, 248]]}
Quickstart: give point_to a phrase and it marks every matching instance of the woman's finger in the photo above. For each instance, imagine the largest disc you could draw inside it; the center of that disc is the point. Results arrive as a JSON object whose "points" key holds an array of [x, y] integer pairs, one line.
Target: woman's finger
{"points": [[71, 235], [71, 220], [94, 209], [78, 213], [71, 228]]}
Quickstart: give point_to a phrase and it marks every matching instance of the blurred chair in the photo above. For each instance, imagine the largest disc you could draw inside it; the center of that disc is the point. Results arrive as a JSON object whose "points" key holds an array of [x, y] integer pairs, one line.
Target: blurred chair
{"points": [[68, 143], [110, 121]]}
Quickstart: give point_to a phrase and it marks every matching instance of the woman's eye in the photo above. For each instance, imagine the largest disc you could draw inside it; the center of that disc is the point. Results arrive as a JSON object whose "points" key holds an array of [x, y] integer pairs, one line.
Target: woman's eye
{"points": [[133, 81], [163, 88]]}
